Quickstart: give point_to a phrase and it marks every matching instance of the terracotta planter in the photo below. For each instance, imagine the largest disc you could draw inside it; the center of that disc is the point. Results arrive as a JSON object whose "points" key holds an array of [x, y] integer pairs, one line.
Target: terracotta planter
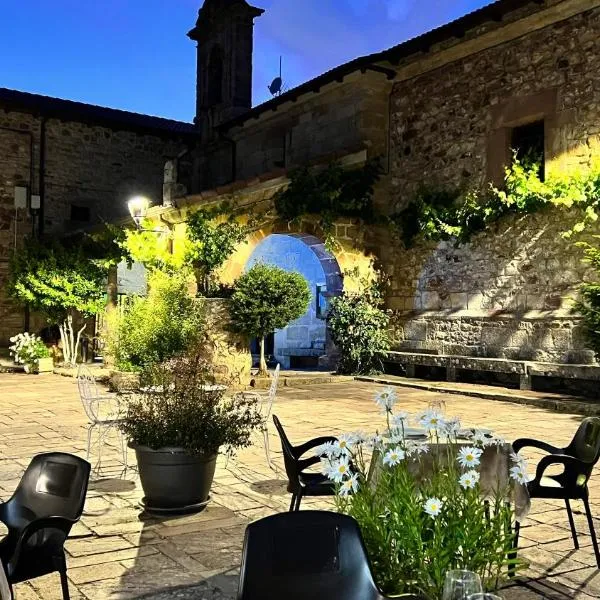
{"points": [[173, 480]]}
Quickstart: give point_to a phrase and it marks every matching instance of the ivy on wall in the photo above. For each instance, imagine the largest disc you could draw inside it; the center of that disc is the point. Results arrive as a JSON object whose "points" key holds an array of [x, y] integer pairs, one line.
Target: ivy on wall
{"points": [[442, 214], [330, 194]]}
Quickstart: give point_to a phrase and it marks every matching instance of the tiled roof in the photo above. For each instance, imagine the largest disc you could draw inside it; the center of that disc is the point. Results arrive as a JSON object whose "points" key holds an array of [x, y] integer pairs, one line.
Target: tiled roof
{"points": [[491, 12], [90, 113]]}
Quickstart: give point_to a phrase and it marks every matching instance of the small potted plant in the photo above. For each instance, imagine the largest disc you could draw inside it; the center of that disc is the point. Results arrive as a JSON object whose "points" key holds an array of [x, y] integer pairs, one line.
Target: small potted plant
{"points": [[29, 350], [177, 426]]}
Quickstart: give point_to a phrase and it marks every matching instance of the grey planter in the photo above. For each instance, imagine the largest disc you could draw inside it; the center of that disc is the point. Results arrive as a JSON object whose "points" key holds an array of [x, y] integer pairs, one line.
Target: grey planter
{"points": [[173, 480]]}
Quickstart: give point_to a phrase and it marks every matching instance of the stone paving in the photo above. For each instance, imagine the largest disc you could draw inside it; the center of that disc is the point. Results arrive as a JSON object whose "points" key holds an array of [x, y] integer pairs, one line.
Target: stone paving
{"points": [[119, 552]]}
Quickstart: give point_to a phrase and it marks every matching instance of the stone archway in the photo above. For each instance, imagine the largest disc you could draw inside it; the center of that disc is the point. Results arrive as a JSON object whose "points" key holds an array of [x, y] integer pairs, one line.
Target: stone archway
{"points": [[303, 342]]}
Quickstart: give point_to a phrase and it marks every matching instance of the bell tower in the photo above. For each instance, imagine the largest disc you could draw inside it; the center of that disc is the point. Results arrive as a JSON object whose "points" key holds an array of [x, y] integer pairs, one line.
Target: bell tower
{"points": [[224, 32]]}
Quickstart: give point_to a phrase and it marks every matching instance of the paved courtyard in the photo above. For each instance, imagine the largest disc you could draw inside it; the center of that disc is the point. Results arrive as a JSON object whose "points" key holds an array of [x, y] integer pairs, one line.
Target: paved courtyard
{"points": [[119, 552]]}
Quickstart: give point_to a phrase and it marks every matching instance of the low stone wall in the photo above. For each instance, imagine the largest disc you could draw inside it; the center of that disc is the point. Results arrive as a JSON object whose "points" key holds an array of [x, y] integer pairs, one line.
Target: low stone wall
{"points": [[533, 336]]}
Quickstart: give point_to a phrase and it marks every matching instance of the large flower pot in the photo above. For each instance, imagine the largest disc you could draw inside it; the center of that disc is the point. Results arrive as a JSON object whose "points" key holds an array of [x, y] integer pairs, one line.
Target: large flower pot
{"points": [[173, 480], [45, 365]]}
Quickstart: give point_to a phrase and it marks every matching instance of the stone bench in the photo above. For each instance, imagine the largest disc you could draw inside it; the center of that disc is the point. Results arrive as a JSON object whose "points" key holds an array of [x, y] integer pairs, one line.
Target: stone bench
{"points": [[523, 368]]}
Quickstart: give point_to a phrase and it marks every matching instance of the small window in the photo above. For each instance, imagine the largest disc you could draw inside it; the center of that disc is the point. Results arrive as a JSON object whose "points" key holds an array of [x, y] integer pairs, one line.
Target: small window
{"points": [[80, 213], [527, 142]]}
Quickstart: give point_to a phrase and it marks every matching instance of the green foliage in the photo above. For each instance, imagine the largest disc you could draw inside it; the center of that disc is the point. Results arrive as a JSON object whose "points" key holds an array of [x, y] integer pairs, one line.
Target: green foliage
{"points": [[267, 298], [438, 214], [420, 512], [210, 244], [331, 193], [589, 304], [56, 280], [152, 248], [182, 413], [157, 327], [359, 328]]}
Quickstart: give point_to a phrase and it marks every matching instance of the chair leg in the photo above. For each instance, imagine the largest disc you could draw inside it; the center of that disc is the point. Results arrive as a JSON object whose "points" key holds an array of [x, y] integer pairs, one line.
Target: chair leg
{"points": [[293, 503], [590, 520], [512, 555], [64, 582], [298, 500], [572, 524], [267, 448], [89, 442]]}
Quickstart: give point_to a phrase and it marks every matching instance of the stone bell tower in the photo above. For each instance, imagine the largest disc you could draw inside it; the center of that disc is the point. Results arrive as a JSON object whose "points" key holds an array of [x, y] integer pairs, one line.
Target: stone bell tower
{"points": [[225, 35]]}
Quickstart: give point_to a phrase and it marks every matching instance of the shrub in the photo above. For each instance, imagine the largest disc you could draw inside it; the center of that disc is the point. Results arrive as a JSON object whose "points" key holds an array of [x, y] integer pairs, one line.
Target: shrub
{"points": [[27, 349], [267, 298], [359, 328], [589, 304], [153, 329], [181, 412], [420, 506]]}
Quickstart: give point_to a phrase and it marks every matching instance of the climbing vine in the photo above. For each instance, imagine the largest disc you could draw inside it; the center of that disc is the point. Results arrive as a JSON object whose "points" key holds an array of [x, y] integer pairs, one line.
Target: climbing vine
{"points": [[332, 193], [442, 214]]}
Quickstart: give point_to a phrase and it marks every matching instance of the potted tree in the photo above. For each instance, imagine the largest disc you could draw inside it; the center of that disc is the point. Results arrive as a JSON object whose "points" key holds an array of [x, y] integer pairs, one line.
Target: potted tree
{"points": [[267, 298], [178, 426]]}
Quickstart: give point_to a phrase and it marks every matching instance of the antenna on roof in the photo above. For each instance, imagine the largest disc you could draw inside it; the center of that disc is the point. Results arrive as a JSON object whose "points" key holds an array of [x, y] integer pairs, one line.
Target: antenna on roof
{"points": [[276, 87]]}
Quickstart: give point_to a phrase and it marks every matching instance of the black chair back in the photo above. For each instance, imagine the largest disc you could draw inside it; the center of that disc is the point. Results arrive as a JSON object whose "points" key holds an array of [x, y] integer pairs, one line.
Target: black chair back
{"points": [[586, 443], [290, 460], [54, 485], [310, 554]]}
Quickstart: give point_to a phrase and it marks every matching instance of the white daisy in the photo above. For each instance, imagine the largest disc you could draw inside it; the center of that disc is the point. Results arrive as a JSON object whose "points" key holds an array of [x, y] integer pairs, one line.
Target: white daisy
{"points": [[432, 420], [327, 449], [394, 456], [469, 479], [399, 420], [479, 437], [519, 474], [340, 469], [469, 457], [386, 399], [349, 486], [518, 460], [452, 426], [433, 506]]}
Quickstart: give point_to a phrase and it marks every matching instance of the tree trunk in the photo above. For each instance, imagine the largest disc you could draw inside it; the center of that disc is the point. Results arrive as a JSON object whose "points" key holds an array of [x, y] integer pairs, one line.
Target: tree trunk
{"points": [[262, 368]]}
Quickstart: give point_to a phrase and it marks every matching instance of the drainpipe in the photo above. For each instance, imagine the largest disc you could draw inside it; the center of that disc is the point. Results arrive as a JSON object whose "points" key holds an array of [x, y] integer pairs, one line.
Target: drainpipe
{"points": [[42, 175]]}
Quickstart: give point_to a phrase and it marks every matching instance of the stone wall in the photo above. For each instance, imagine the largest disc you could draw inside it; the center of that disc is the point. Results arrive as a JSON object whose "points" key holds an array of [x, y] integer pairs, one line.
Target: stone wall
{"points": [[508, 293], [86, 166]]}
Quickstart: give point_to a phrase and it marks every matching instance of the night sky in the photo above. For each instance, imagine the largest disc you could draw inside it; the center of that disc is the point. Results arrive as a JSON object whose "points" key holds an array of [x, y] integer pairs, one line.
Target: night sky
{"points": [[134, 54]]}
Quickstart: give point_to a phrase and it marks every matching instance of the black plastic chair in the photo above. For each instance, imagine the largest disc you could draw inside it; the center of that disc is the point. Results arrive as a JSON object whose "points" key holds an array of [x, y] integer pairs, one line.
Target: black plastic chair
{"points": [[578, 460], [302, 484], [47, 502], [308, 555]]}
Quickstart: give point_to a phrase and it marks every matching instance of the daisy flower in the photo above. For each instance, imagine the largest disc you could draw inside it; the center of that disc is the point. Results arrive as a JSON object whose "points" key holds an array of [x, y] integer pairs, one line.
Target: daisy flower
{"points": [[469, 479], [479, 437], [519, 474], [340, 469], [432, 420], [433, 507], [349, 486], [327, 449], [394, 456], [469, 457], [452, 426], [399, 420], [518, 460], [386, 399]]}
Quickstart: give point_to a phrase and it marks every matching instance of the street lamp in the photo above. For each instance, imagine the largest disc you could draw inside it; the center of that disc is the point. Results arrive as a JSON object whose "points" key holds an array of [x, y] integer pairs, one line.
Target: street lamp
{"points": [[138, 208]]}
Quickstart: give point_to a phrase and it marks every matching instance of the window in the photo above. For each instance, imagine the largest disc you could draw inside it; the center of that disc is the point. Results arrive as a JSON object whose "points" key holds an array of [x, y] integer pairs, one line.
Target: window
{"points": [[215, 76], [527, 141], [80, 213]]}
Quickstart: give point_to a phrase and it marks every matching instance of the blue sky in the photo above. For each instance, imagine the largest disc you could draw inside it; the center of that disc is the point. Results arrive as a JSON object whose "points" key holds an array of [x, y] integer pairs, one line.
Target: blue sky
{"points": [[134, 54]]}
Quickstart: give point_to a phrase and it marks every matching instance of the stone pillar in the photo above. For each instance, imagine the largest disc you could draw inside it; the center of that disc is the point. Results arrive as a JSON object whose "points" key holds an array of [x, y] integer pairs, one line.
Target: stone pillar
{"points": [[228, 353]]}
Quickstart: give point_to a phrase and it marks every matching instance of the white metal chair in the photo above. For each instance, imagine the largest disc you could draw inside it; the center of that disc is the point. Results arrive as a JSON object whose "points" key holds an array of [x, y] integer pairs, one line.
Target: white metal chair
{"points": [[265, 407], [102, 411]]}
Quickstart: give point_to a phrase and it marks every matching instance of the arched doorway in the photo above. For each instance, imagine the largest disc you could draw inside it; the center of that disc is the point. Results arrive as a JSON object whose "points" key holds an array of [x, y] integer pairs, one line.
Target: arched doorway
{"points": [[304, 341]]}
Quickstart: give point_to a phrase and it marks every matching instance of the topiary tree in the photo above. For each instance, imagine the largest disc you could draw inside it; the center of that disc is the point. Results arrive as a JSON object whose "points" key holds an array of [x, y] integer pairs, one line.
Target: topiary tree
{"points": [[358, 324], [60, 282], [589, 304], [267, 298]]}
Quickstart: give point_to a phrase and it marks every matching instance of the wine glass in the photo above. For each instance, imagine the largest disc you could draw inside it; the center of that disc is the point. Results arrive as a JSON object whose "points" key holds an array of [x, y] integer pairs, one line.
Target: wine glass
{"points": [[461, 585], [484, 596]]}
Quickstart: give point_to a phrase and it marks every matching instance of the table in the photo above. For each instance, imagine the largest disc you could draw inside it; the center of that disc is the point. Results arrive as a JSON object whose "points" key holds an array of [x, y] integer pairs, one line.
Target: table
{"points": [[494, 470]]}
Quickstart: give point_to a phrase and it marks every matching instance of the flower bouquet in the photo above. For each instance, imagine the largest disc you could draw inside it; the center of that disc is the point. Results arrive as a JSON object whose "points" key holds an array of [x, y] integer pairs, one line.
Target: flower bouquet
{"points": [[419, 500], [27, 349]]}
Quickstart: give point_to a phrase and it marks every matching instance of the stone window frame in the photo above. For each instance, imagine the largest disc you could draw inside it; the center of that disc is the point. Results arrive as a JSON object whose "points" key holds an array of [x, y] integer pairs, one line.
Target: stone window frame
{"points": [[514, 112]]}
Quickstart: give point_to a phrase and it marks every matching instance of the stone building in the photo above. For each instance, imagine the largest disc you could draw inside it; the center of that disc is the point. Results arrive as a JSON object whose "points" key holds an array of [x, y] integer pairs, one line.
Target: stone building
{"points": [[83, 162], [444, 109]]}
